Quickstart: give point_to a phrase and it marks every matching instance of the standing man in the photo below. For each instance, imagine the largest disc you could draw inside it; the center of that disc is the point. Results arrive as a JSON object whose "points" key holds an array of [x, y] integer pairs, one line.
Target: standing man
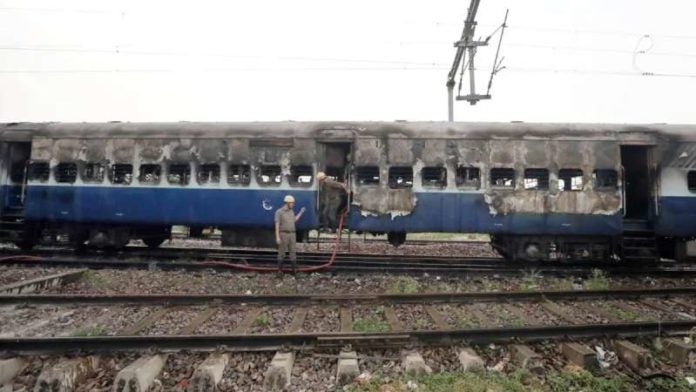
{"points": [[285, 219], [332, 195]]}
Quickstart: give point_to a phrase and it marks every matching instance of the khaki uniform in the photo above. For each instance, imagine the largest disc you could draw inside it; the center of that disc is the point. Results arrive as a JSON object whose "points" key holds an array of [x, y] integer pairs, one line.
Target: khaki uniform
{"points": [[332, 192], [286, 217]]}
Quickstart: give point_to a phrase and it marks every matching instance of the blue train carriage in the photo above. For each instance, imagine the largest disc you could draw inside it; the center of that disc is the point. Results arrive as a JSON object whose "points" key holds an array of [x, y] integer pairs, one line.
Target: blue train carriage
{"points": [[543, 191]]}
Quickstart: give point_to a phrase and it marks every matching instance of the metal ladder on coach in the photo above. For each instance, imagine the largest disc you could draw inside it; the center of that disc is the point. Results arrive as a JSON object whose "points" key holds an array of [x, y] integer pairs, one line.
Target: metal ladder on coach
{"points": [[640, 246], [12, 224]]}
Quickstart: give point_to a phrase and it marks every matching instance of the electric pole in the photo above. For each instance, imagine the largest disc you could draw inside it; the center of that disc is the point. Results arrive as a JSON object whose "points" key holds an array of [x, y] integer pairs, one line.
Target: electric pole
{"points": [[467, 45]]}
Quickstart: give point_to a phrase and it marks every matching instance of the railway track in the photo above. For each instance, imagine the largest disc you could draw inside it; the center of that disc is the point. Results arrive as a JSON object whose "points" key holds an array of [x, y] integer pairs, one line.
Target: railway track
{"points": [[347, 264], [334, 327]]}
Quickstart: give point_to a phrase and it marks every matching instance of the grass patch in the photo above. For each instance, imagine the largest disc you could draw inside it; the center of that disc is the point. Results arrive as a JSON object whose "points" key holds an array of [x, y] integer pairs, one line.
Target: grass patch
{"points": [[403, 285], [370, 324], [621, 314], [262, 320], [93, 277], [519, 381], [583, 380], [561, 284], [597, 281], [531, 280], [94, 330]]}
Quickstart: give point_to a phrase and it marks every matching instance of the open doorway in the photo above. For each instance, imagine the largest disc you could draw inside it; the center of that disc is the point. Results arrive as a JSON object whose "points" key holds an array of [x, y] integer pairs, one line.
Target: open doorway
{"points": [[333, 199], [637, 182]]}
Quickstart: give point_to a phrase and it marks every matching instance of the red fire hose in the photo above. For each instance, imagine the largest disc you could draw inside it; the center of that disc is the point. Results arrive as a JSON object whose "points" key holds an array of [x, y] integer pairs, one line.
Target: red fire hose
{"points": [[328, 263]]}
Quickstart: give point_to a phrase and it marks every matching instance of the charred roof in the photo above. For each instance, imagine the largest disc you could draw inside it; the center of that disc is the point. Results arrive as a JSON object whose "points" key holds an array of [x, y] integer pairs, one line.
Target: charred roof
{"points": [[629, 133]]}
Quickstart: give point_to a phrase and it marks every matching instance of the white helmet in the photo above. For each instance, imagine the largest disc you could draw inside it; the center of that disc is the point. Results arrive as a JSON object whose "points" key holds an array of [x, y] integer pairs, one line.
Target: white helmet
{"points": [[321, 175], [289, 199]]}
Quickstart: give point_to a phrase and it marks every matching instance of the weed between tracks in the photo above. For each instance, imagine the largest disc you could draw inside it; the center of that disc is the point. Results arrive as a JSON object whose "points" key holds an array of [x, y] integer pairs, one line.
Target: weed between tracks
{"points": [[574, 380], [403, 285], [598, 281], [94, 330]]}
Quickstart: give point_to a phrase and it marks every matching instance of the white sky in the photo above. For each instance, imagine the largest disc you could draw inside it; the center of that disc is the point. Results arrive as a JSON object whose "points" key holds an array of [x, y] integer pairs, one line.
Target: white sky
{"points": [[205, 60]]}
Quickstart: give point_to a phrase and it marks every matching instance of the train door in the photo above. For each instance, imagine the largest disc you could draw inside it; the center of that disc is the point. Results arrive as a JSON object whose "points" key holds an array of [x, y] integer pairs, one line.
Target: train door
{"points": [[336, 163], [637, 183], [16, 161]]}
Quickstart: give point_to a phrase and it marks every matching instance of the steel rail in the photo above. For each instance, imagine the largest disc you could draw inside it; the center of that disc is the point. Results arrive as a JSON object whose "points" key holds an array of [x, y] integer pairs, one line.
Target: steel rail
{"points": [[321, 299], [507, 269], [272, 342]]}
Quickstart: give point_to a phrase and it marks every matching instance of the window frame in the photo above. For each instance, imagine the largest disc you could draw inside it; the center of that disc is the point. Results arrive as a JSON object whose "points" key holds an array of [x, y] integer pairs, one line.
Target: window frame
{"points": [[90, 180], [570, 179], [501, 169], [406, 185], [199, 171], [112, 174], [542, 183], [468, 182], [612, 188], [57, 169], [245, 169], [360, 172], [441, 181], [278, 176], [141, 174], [691, 181], [293, 177], [186, 176], [31, 168]]}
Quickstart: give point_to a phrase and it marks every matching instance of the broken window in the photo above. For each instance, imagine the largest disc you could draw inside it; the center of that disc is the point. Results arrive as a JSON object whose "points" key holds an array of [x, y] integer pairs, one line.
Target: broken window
{"points": [[269, 175], [39, 171], [605, 179], [150, 174], [434, 176], [93, 172], [209, 173], [691, 180], [570, 180], [239, 174], [503, 177], [468, 177], [301, 175], [536, 179], [66, 172], [121, 173], [400, 177], [367, 175], [179, 174]]}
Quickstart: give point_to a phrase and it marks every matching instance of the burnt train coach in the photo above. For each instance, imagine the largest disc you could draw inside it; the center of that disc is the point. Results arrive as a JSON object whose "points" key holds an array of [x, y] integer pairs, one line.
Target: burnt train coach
{"points": [[542, 191]]}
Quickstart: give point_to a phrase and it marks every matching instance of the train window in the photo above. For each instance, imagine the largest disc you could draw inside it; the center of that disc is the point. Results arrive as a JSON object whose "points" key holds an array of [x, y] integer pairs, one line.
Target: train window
{"points": [[66, 172], [468, 176], [536, 179], [400, 177], [605, 179], [570, 180], [691, 180], [121, 173], [434, 176], [93, 172], [269, 175], [179, 174], [150, 174], [209, 173], [503, 177], [301, 175], [367, 175], [239, 174], [39, 171]]}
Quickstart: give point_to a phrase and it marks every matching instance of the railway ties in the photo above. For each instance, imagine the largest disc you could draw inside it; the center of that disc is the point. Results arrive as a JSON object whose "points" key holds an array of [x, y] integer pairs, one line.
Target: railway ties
{"points": [[344, 329]]}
